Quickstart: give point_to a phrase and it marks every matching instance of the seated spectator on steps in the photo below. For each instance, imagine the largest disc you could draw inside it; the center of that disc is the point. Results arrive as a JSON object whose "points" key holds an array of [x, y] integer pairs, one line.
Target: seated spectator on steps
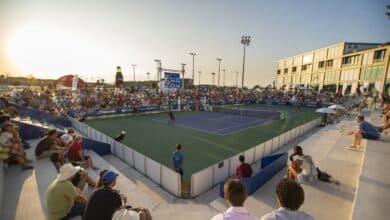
{"points": [[48, 145], [235, 194], [366, 130], [11, 147], [290, 198], [307, 171], [67, 138], [99, 183], [81, 178], [243, 170], [76, 154], [63, 199], [105, 201], [121, 136]]}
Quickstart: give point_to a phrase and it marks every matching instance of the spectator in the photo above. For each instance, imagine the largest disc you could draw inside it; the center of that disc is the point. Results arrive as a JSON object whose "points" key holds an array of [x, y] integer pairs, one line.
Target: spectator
{"points": [[76, 154], [68, 138], [48, 145], [63, 199], [99, 183], [12, 148], [130, 214], [235, 194], [310, 172], [121, 136], [294, 169], [290, 198], [243, 170], [106, 201], [297, 152], [177, 159], [366, 130]]}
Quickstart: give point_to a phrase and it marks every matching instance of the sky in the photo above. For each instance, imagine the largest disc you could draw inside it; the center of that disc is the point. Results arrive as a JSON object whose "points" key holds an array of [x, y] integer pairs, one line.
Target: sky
{"points": [[48, 39]]}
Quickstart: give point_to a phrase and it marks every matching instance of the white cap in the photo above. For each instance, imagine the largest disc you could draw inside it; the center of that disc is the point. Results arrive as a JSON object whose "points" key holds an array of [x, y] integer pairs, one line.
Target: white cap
{"points": [[123, 132], [67, 171], [125, 214], [299, 157]]}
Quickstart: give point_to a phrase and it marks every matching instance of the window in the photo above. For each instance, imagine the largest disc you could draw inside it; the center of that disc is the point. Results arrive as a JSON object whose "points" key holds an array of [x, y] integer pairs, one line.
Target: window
{"points": [[285, 70], [379, 55], [351, 60], [278, 72], [371, 73], [304, 67], [321, 64], [329, 63], [294, 69]]}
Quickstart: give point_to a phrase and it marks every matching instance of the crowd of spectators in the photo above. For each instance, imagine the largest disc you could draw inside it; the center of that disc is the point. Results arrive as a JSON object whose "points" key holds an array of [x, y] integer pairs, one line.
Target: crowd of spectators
{"points": [[59, 101]]}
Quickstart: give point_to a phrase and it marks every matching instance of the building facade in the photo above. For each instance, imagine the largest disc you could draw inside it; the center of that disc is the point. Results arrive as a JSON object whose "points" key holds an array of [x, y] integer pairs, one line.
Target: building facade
{"points": [[342, 67]]}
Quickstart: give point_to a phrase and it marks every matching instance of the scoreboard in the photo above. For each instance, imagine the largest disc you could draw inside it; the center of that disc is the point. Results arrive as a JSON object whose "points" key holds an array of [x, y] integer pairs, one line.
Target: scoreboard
{"points": [[172, 80]]}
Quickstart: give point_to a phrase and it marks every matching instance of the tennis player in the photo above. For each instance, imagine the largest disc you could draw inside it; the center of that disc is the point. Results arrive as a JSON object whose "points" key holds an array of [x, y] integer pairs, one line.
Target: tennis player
{"points": [[171, 120]]}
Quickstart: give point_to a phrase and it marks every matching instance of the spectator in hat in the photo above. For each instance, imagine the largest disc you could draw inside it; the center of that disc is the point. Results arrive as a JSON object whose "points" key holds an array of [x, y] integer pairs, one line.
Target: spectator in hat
{"points": [[68, 138], [365, 130], [235, 194], [290, 198], [63, 199], [106, 200], [121, 136]]}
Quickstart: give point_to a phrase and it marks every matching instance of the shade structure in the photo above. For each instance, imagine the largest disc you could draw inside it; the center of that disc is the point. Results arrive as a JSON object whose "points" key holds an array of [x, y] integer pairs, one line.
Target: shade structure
{"points": [[67, 81], [337, 107], [326, 111]]}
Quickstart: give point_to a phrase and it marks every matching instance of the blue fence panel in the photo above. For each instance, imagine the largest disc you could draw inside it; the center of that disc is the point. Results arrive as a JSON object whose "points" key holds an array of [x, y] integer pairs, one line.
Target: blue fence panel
{"points": [[97, 146]]}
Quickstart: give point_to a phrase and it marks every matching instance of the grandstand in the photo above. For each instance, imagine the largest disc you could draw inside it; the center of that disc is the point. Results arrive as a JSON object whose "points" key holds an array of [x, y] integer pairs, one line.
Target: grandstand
{"points": [[147, 179]]}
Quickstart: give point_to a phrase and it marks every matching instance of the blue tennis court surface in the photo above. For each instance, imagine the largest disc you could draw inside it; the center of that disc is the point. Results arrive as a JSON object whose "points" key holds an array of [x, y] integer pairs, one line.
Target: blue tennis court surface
{"points": [[221, 123]]}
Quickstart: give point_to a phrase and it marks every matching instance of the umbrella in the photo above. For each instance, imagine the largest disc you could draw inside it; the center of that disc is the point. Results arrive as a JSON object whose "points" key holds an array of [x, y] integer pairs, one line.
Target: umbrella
{"points": [[325, 110], [336, 107]]}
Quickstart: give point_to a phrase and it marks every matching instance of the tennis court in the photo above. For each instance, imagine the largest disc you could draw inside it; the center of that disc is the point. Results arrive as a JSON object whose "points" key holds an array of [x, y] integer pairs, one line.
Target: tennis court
{"points": [[201, 134], [225, 120]]}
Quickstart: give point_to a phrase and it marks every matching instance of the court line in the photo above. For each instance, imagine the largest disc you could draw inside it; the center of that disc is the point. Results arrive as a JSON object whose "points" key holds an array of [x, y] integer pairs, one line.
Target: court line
{"points": [[183, 126], [222, 129], [246, 128]]}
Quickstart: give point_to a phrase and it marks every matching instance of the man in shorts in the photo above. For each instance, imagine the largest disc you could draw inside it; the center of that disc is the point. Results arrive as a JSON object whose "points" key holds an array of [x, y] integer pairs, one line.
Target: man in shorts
{"points": [[177, 159], [366, 130], [47, 147]]}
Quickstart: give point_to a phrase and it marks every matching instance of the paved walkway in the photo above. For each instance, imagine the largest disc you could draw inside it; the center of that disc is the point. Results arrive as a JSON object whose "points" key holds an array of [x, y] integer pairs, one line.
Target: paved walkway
{"points": [[24, 191]]}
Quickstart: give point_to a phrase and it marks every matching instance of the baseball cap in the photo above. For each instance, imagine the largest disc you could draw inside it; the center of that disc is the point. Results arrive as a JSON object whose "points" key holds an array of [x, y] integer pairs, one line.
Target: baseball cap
{"points": [[109, 176]]}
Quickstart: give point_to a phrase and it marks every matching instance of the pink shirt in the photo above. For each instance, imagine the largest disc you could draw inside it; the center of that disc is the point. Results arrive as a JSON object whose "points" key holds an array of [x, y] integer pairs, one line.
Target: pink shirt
{"points": [[234, 213]]}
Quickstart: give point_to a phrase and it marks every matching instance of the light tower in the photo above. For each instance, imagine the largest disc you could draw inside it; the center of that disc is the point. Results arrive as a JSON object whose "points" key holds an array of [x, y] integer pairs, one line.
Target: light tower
{"points": [[245, 40], [134, 65], [158, 69], [200, 72], [212, 78], [237, 79], [223, 78], [219, 69], [193, 65], [147, 75], [183, 72]]}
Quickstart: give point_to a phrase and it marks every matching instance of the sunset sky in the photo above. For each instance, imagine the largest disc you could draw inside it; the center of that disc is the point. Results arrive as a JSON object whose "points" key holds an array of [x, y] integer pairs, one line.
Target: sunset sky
{"points": [[90, 38]]}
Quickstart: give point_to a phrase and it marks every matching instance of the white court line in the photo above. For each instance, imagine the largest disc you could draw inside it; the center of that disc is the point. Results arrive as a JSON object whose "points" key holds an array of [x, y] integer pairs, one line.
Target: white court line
{"points": [[183, 126]]}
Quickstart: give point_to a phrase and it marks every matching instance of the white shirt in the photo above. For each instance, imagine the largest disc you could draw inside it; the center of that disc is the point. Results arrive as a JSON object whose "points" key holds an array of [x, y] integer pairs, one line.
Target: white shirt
{"points": [[285, 214], [66, 138], [5, 138], [234, 213]]}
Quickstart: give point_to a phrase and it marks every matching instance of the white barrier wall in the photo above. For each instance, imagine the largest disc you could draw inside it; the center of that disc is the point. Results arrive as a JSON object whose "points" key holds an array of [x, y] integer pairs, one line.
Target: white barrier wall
{"points": [[249, 155], [201, 181], [153, 170], [275, 144], [233, 161], [221, 171], [267, 147], [129, 156], [259, 152], [139, 162], [170, 180]]}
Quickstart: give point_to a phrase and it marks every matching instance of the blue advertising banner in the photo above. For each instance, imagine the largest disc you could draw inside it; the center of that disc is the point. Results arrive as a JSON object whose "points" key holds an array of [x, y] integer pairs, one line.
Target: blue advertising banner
{"points": [[172, 80]]}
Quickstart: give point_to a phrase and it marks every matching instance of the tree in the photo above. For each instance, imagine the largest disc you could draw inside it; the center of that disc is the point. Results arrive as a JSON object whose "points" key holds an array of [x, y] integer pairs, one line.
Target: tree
{"points": [[388, 11], [256, 87]]}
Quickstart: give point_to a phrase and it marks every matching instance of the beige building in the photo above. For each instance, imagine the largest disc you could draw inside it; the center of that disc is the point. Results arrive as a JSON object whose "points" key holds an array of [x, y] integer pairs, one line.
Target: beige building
{"points": [[341, 67]]}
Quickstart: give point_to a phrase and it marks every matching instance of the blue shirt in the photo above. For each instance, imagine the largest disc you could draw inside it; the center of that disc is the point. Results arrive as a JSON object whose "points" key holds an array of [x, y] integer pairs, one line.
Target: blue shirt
{"points": [[369, 129], [177, 158]]}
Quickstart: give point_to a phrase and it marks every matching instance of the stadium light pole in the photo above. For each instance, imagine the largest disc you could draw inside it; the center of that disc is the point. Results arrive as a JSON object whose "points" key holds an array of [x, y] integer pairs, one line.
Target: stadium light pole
{"points": [[134, 65], [193, 65], [183, 72], [212, 78], [158, 69], [219, 69], [237, 79], [223, 79], [244, 41], [200, 72], [147, 75]]}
